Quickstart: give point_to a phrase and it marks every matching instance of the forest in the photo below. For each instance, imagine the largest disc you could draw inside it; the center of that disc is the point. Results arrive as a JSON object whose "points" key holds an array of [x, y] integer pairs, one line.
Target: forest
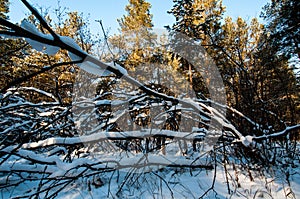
{"points": [[207, 109]]}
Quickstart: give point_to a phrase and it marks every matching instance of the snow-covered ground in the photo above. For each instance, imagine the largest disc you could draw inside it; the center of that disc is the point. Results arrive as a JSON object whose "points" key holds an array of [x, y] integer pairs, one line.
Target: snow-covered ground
{"points": [[150, 176], [118, 165], [43, 156]]}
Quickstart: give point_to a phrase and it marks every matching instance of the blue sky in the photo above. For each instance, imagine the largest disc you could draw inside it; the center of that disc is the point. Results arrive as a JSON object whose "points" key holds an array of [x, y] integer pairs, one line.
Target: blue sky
{"points": [[110, 10]]}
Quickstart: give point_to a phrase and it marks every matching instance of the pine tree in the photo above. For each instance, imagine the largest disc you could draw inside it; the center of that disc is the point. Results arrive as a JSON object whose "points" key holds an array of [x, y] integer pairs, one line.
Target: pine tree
{"points": [[255, 85], [4, 8], [282, 43], [10, 50], [200, 21], [283, 17], [20, 60], [197, 18], [276, 85], [136, 39]]}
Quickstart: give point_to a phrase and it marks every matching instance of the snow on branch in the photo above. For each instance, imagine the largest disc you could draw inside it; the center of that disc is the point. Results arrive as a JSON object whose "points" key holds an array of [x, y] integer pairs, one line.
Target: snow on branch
{"points": [[279, 134], [102, 136], [93, 65], [39, 141], [35, 90]]}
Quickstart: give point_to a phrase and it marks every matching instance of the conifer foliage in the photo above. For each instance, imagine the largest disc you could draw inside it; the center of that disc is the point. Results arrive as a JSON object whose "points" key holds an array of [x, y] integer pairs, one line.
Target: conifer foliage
{"points": [[132, 136], [133, 44], [283, 18]]}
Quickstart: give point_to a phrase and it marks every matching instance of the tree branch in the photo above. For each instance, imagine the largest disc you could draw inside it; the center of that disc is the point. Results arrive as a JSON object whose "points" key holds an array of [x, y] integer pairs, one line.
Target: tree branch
{"points": [[27, 77]]}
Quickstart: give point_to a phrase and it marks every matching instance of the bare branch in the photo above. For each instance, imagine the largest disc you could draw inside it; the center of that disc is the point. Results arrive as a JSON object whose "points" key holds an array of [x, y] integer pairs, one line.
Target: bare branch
{"points": [[20, 80], [41, 19], [279, 134]]}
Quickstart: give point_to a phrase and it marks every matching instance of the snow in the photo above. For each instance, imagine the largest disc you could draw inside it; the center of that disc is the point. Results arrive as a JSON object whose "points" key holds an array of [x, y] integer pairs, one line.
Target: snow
{"points": [[121, 69], [71, 42], [117, 66], [29, 168], [90, 67], [111, 135], [86, 65], [31, 28], [166, 183], [35, 44], [109, 102], [50, 161], [196, 129], [47, 113], [102, 102], [36, 90], [14, 126], [289, 128], [49, 49], [4, 36], [247, 140], [118, 102], [145, 175]]}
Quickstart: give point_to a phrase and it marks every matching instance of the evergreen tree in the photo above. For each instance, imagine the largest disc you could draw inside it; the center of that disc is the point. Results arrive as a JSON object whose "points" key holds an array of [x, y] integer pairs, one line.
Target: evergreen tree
{"points": [[197, 19], [4, 8], [200, 21], [283, 17], [10, 50], [253, 72], [136, 39], [19, 61], [276, 86]]}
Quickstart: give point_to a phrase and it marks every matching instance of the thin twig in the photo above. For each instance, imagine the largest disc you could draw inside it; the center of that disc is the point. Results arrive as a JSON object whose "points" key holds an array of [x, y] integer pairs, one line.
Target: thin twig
{"points": [[106, 38], [20, 80], [41, 19]]}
